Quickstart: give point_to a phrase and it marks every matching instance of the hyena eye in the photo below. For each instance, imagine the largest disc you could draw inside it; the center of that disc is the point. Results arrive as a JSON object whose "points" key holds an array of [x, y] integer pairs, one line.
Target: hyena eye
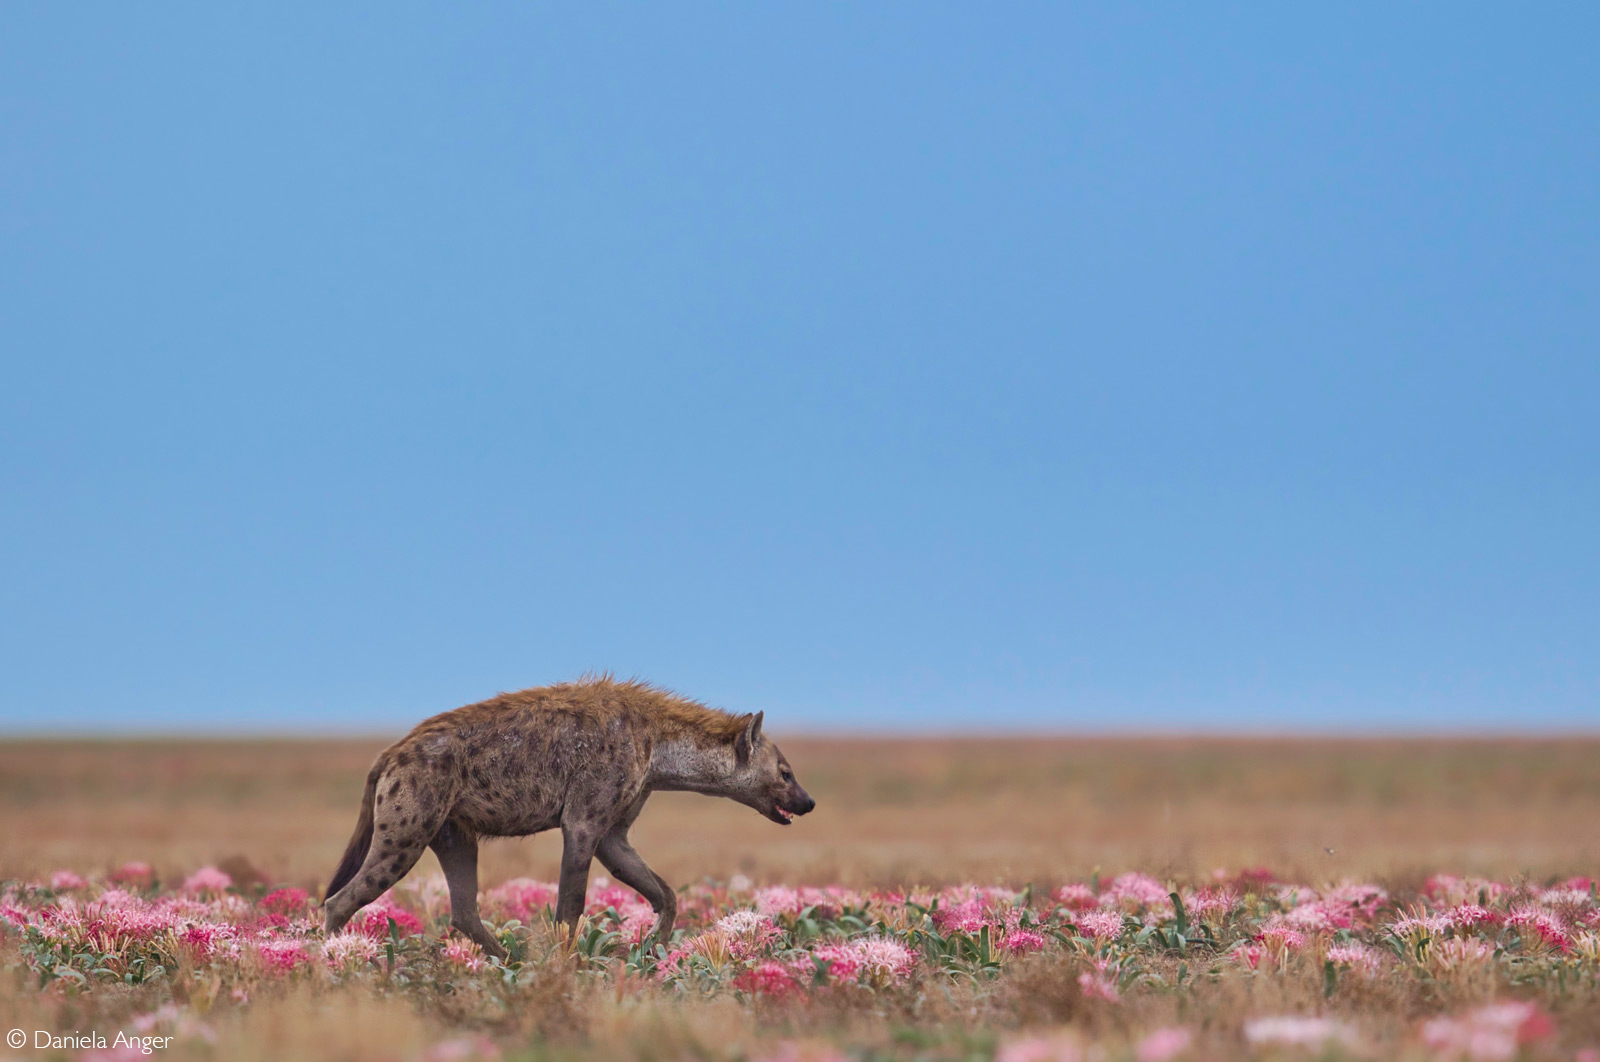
{"points": [[786, 774]]}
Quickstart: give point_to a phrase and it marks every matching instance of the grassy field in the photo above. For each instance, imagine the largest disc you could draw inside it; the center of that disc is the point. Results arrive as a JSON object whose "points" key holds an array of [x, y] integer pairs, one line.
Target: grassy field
{"points": [[1054, 814], [929, 811]]}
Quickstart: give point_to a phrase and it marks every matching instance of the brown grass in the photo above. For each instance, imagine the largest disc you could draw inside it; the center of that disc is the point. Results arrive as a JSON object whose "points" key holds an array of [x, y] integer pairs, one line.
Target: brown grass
{"points": [[1001, 810], [930, 811]]}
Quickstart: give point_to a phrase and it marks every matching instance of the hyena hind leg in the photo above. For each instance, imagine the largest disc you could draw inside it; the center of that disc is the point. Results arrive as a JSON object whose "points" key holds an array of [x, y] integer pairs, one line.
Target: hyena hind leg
{"points": [[458, 855], [388, 860]]}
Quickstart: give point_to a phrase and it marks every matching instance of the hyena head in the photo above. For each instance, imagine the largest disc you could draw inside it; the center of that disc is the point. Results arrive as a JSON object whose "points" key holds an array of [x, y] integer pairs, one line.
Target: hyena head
{"points": [[763, 779]]}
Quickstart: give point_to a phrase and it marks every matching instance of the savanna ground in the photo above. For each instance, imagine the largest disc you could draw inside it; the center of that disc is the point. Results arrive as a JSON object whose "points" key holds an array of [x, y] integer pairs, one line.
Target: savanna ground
{"points": [[970, 899]]}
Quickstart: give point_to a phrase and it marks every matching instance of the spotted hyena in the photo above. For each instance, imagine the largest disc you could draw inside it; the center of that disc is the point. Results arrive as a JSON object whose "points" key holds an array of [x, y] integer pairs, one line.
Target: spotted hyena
{"points": [[583, 756]]}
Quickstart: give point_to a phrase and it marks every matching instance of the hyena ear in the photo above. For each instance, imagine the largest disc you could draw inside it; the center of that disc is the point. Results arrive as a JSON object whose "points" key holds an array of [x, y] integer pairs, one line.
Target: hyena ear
{"points": [[745, 744]]}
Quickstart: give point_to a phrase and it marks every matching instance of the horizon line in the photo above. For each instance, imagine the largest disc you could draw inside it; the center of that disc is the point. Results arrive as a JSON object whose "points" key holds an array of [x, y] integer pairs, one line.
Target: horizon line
{"points": [[994, 733]]}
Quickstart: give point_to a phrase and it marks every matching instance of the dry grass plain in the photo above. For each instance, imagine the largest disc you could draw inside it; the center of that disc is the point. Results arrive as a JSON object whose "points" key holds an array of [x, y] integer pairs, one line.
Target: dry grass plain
{"points": [[890, 812]]}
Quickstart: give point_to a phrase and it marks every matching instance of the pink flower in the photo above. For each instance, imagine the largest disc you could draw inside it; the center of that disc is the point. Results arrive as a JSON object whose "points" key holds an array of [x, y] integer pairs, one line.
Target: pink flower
{"points": [[1077, 897], [879, 958], [1134, 891], [1163, 1045], [1249, 955], [175, 1021], [349, 949], [1041, 1049], [1098, 985], [131, 923], [205, 939], [521, 898], [1294, 895], [636, 925], [1487, 1034], [1563, 896], [207, 880], [749, 924], [1359, 957], [287, 902], [1459, 952], [373, 920], [1471, 915], [768, 978], [1280, 937], [749, 932], [829, 902], [1022, 941], [1210, 905], [964, 917], [1298, 1031], [1418, 926], [843, 963], [778, 900], [1353, 901], [462, 1049], [66, 880], [1448, 888], [282, 956], [1313, 918], [136, 874], [603, 894], [1103, 926], [1541, 925], [884, 958], [466, 954]]}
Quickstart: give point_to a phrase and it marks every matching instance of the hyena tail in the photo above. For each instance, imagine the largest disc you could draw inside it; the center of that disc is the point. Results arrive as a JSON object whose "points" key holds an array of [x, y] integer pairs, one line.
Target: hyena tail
{"points": [[356, 853]]}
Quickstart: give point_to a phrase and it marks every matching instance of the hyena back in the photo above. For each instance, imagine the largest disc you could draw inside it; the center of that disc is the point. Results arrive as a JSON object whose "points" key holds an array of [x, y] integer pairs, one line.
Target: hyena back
{"points": [[581, 756]]}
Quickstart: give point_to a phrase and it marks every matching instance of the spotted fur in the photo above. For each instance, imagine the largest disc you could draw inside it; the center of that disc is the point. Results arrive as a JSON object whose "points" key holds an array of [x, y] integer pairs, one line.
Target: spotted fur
{"points": [[582, 756]]}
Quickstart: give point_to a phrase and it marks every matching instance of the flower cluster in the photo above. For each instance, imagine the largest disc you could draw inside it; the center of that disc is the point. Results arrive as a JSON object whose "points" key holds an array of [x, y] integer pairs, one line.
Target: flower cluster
{"points": [[780, 946]]}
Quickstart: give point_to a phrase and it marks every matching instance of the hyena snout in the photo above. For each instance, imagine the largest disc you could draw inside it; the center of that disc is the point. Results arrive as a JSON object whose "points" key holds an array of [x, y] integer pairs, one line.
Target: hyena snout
{"points": [[791, 801]]}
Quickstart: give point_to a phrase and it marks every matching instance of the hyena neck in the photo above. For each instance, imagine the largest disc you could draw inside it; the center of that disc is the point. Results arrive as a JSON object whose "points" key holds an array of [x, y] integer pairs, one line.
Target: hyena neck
{"points": [[684, 764]]}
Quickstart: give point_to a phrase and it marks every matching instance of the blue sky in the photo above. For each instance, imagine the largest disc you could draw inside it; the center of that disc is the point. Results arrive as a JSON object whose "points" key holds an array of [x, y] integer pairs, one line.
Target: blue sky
{"points": [[882, 366]]}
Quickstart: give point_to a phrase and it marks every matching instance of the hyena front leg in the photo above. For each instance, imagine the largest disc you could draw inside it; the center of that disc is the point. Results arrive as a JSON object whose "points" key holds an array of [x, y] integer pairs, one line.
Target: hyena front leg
{"points": [[458, 855], [619, 857], [578, 842]]}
